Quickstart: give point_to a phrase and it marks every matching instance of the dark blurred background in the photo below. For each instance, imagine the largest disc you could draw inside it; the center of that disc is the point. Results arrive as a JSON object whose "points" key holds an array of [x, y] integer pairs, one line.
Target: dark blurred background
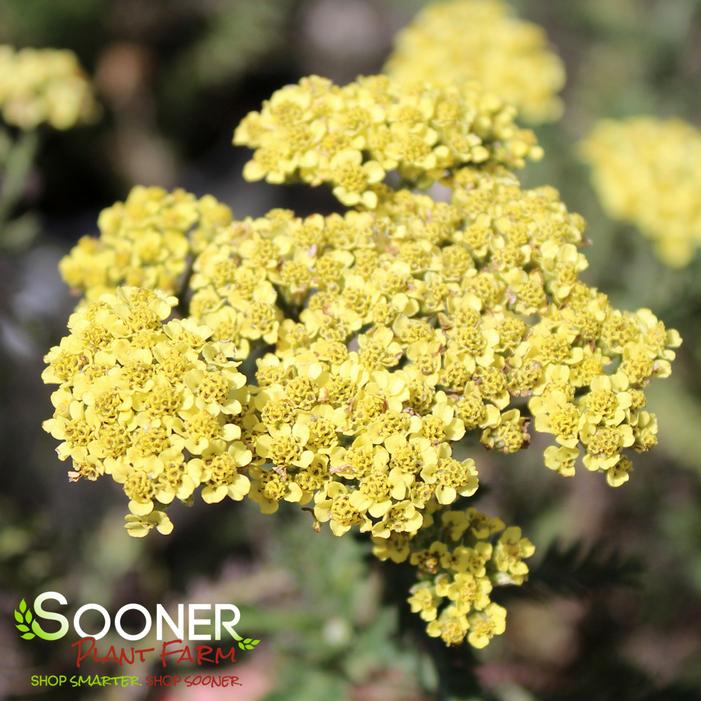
{"points": [[613, 608]]}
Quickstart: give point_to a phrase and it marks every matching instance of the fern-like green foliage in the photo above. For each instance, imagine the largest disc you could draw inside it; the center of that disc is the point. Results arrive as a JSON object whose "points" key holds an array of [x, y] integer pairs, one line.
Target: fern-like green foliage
{"points": [[577, 569]]}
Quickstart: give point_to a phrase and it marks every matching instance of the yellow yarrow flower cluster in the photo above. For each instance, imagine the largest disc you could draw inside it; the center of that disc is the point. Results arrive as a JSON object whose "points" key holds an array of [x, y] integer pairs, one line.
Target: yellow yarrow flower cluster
{"points": [[44, 86], [150, 402], [377, 339], [415, 324], [331, 425], [232, 283], [460, 556], [645, 171], [606, 417], [350, 137], [460, 42], [146, 241]]}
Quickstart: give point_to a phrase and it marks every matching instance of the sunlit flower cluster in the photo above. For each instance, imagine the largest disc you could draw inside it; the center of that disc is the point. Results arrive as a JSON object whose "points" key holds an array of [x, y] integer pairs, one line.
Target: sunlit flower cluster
{"points": [[460, 42], [153, 403], [350, 137], [377, 343], [460, 556], [44, 86], [146, 241], [400, 330], [645, 171]]}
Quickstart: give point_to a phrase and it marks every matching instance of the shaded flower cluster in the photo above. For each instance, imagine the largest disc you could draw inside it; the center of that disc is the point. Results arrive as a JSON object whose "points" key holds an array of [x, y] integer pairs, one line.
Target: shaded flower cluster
{"points": [[375, 340], [154, 404], [44, 86], [645, 171], [460, 556], [350, 137], [146, 241], [460, 42]]}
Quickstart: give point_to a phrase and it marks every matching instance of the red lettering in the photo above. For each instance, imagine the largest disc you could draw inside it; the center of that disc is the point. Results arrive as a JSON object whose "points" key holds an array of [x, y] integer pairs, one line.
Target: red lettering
{"points": [[221, 655], [80, 655], [86, 649], [203, 655]]}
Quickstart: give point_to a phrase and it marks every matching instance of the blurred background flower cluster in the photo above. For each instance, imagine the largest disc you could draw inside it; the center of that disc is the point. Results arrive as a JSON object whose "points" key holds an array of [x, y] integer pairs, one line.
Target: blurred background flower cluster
{"points": [[612, 609]]}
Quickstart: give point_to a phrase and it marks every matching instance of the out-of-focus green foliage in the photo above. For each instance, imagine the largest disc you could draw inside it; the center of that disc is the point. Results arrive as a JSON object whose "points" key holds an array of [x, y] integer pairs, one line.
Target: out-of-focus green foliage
{"points": [[231, 43], [16, 161]]}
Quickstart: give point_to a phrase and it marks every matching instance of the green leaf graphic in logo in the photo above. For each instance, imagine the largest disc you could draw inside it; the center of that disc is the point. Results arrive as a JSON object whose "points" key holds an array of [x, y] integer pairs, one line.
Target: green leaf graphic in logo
{"points": [[248, 643], [23, 618]]}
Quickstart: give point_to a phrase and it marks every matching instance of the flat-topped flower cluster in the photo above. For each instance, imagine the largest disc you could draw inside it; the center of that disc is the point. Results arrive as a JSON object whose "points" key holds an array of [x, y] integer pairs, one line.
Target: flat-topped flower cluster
{"points": [[350, 137], [146, 241], [377, 342], [44, 86], [460, 556], [150, 402], [645, 172], [460, 42]]}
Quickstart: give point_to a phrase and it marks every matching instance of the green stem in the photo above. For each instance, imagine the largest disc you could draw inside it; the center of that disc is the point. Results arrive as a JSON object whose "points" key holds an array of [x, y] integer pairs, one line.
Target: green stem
{"points": [[454, 667], [16, 172]]}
